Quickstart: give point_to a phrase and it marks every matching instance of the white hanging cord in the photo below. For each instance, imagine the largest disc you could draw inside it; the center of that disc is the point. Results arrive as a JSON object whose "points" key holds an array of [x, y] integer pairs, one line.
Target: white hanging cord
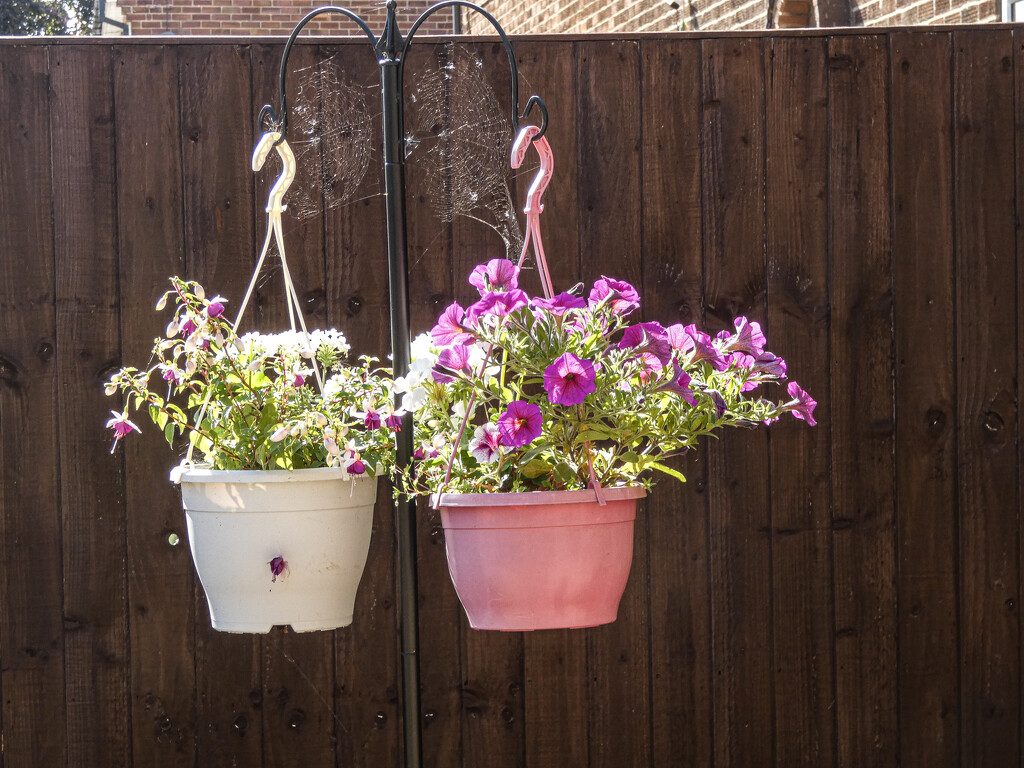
{"points": [[275, 230]]}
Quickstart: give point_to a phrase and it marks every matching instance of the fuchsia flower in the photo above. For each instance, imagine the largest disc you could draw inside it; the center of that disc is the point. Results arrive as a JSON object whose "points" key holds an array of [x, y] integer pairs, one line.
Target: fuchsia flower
{"points": [[495, 275], [393, 422], [173, 375], [372, 419], [121, 425], [561, 304], [485, 444], [749, 337], [356, 467], [452, 359], [620, 295], [277, 566], [499, 304], [680, 384], [449, 328], [298, 380], [650, 340], [521, 424], [803, 404], [188, 327], [215, 307], [568, 380]]}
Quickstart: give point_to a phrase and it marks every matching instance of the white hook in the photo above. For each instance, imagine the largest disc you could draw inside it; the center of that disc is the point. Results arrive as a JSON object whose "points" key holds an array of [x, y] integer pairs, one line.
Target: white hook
{"points": [[267, 142]]}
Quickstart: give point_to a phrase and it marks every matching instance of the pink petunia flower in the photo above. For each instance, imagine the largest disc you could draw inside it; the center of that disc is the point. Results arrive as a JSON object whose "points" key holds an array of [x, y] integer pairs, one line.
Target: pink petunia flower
{"points": [[521, 424], [449, 328], [568, 380], [802, 406], [749, 337], [454, 359], [485, 444], [680, 384], [560, 304], [768, 363], [495, 275], [498, 304], [650, 341], [620, 295]]}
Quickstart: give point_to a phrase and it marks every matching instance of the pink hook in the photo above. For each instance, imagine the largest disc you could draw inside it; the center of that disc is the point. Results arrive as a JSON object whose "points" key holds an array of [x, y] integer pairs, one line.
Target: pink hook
{"points": [[534, 206]]}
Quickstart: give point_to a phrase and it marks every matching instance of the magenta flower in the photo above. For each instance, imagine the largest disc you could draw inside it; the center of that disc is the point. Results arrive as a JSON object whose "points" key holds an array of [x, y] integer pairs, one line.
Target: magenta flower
{"points": [[188, 327], [419, 453], [741, 360], [393, 422], [650, 340], [356, 467], [449, 328], [216, 307], [568, 380], [803, 404], [704, 349], [372, 419], [768, 363], [678, 338], [618, 294], [485, 444], [453, 359], [495, 275], [173, 374], [121, 425], [298, 380], [499, 304], [720, 405], [561, 304], [748, 337], [680, 384], [277, 566], [521, 424]]}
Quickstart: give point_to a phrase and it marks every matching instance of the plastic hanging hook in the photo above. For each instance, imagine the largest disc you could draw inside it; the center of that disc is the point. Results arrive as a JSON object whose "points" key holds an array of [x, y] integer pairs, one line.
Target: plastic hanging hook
{"points": [[267, 142], [530, 135]]}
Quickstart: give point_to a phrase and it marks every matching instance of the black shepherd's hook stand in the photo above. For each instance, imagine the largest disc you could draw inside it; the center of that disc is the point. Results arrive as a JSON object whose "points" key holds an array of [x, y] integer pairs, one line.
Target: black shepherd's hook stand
{"points": [[390, 49]]}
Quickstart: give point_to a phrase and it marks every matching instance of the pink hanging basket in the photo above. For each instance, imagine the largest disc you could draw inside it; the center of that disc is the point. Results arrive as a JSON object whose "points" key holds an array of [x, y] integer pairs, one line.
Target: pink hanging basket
{"points": [[540, 560]]}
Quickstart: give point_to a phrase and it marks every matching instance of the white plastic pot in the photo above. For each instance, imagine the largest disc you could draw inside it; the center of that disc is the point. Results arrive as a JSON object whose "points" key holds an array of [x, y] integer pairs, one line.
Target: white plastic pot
{"points": [[240, 521]]}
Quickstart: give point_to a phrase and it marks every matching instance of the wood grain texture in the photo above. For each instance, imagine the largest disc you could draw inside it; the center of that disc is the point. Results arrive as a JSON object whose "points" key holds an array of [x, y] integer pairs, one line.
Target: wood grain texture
{"points": [[732, 88], [608, 132], [88, 348], [797, 322], [987, 459], [555, 662], [863, 514], [677, 515], [161, 578], [216, 145], [32, 636], [925, 336]]}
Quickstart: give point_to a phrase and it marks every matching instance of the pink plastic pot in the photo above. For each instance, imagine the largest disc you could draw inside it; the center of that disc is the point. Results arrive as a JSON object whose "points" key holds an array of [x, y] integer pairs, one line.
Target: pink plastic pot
{"points": [[540, 560]]}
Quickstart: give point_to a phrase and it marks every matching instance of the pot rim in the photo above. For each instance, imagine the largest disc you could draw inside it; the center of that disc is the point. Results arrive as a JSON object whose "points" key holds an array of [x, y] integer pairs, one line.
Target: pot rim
{"points": [[531, 498], [200, 474]]}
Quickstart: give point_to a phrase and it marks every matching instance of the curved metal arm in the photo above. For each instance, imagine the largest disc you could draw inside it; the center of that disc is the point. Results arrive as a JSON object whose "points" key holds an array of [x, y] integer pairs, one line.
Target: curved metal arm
{"points": [[281, 121], [516, 116]]}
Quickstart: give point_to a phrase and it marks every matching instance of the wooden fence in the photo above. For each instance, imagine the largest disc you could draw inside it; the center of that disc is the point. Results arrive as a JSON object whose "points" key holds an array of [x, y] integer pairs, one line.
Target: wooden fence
{"points": [[846, 595]]}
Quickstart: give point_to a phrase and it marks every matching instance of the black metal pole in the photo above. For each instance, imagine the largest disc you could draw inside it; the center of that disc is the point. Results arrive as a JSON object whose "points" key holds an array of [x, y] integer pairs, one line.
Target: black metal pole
{"points": [[389, 51]]}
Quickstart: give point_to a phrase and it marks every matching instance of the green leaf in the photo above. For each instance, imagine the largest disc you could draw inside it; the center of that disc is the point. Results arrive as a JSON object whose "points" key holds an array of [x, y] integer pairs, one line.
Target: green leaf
{"points": [[563, 473], [591, 436], [536, 468], [169, 434], [668, 471]]}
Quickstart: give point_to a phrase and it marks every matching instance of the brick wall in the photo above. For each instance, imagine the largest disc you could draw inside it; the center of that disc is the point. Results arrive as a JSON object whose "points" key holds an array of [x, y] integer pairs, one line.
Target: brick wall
{"points": [[253, 17], [581, 16]]}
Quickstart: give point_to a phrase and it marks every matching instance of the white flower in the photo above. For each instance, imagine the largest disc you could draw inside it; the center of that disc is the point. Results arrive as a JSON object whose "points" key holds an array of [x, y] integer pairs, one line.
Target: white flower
{"points": [[459, 412], [486, 444], [414, 399], [423, 348], [280, 434]]}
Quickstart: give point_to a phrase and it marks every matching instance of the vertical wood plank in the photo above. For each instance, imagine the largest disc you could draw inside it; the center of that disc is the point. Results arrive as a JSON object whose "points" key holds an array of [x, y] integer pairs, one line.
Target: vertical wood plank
{"points": [[862, 403], [88, 347], [796, 125], [738, 488], [925, 399], [31, 621], [367, 653], [217, 141], [986, 320], [161, 609], [298, 668], [431, 290], [673, 270], [608, 132], [555, 662], [1018, 53]]}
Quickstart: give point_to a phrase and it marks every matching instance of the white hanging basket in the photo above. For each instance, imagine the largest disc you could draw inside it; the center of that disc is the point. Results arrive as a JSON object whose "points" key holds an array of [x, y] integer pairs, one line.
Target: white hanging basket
{"points": [[316, 520]]}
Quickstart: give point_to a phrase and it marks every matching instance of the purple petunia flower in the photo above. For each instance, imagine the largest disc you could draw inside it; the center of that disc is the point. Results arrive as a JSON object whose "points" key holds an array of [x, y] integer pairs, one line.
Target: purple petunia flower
{"points": [[650, 340], [680, 384], [498, 304], [803, 404], [561, 304], [495, 275], [449, 328], [768, 363], [277, 566], [485, 444], [452, 359], [568, 380], [521, 424], [620, 295], [678, 338], [704, 349], [748, 337], [719, 401]]}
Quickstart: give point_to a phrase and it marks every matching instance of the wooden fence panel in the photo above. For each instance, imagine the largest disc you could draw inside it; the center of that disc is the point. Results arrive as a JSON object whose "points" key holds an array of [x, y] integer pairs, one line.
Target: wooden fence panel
{"points": [[987, 458], [846, 594], [925, 400]]}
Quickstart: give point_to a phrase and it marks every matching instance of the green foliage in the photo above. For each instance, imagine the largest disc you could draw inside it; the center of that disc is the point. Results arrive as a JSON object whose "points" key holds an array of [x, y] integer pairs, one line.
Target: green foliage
{"points": [[45, 17]]}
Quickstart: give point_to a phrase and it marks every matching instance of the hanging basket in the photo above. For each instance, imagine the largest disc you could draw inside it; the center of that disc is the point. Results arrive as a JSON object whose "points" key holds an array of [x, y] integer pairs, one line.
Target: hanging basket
{"points": [[310, 525], [540, 560]]}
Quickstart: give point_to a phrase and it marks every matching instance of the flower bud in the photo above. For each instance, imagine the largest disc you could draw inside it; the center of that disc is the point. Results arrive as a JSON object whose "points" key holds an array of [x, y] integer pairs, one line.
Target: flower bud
{"points": [[200, 292], [280, 434], [161, 304]]}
